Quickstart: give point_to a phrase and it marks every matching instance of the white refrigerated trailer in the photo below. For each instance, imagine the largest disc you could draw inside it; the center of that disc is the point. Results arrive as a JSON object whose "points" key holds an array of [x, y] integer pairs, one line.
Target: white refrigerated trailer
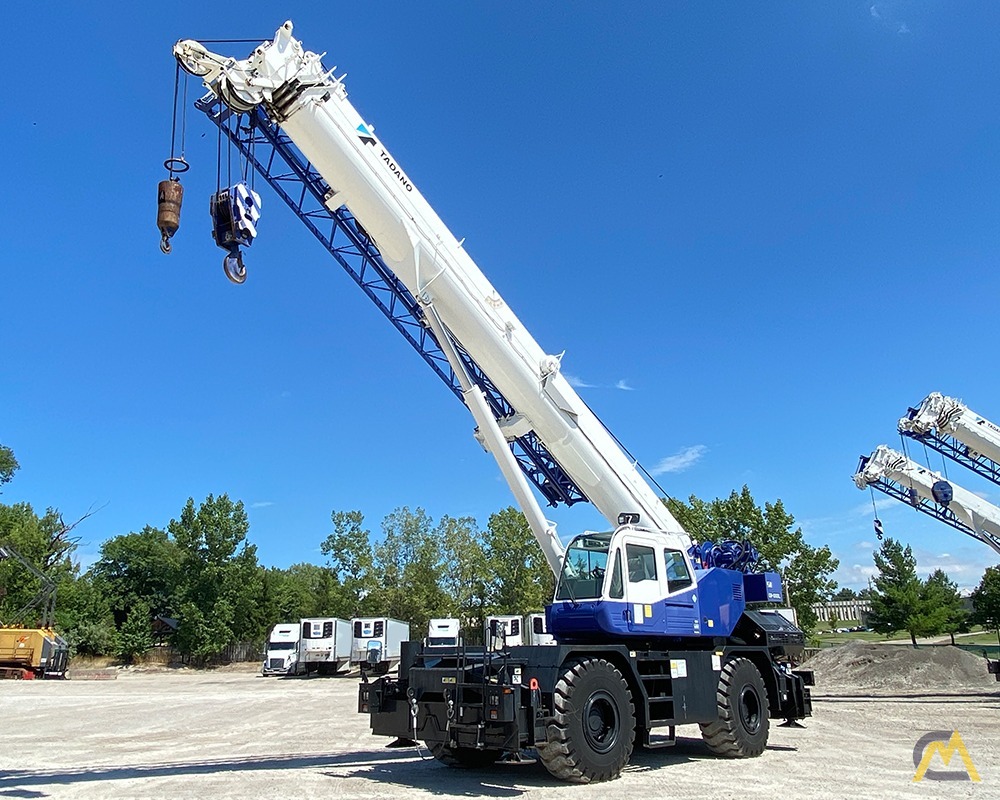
{"points": [[325, 645], [377, 642]]}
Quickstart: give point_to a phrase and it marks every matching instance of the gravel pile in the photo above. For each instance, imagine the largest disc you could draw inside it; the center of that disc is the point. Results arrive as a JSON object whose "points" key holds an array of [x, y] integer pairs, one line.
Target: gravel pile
{"points": [[880, 666]]}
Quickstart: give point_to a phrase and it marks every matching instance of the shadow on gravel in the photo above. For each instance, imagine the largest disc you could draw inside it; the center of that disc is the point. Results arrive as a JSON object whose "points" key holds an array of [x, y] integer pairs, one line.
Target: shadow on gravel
{"points": [[410, 768], [12, 781], [507, 779]]}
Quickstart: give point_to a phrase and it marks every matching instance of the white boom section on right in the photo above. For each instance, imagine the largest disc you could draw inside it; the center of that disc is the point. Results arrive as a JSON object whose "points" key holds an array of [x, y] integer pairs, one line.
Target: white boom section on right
{"points": [[948, 416], [312, 108], [982, 518]]}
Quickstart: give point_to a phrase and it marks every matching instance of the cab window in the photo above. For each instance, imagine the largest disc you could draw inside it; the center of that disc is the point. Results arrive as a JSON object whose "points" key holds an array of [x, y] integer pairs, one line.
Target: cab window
{"points": [[641, 563], [678, 576], [617, 588]]}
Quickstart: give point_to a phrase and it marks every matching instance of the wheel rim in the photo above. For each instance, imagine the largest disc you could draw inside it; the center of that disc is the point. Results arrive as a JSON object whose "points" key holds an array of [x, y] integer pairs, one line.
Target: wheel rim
{"points": [[750, 709], [601, 723]]}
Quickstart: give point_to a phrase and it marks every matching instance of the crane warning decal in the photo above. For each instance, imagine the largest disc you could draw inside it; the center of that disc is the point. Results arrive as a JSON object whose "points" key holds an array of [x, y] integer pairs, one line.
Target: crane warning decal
{"points": [[365, 134]]}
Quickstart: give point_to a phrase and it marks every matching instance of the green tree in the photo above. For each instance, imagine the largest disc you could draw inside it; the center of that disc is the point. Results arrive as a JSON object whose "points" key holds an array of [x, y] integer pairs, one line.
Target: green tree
{"points": [[941, 597], [463, 570], [845, 594], [518, 578], [8, 464], [139, 569], [986, 600], [84, 618], [805, 570], [202, 635], [302, 590], [45, 543], [136, 635], [220, 584], [408, 562], [900, 601], [351, 560]]}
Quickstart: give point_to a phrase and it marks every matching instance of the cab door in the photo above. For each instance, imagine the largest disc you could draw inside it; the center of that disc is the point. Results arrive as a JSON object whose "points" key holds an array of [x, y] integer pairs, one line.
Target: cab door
{"points": [[644, 583], [680, 607]]}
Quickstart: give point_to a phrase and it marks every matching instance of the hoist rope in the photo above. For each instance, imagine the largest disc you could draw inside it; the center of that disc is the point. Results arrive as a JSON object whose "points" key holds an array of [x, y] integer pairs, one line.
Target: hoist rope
{"points": [[177, 164]]}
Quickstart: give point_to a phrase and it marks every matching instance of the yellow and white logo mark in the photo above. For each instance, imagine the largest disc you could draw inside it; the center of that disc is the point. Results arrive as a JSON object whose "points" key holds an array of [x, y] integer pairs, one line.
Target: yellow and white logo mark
{"points": [[945, 744]]}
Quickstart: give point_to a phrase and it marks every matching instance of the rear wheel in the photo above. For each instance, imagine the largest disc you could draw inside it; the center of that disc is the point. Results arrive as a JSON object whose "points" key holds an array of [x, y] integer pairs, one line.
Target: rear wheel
{"points": [[463, 756], [590, 735], [742, 727]]}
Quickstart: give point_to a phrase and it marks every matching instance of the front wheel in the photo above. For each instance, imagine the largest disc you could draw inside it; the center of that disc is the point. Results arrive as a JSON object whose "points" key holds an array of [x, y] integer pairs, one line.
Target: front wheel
{"points": [[742, 727], [591, 733]]}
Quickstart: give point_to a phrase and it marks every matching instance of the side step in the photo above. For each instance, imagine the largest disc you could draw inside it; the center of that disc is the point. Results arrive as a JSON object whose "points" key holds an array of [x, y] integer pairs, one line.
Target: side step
{"points": [[654, 741]]}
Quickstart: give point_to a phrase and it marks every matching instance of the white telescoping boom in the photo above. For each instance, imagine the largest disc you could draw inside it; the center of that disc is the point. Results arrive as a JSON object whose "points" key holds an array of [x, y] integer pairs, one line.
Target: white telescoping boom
{"points": [[892, 472], [954, 430], [461, 307]]}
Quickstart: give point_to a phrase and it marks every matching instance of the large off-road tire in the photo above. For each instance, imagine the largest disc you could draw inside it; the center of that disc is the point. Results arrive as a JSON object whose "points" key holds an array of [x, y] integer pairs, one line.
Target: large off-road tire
{"points": [[589, 738], [463, 756], [742, 726]]}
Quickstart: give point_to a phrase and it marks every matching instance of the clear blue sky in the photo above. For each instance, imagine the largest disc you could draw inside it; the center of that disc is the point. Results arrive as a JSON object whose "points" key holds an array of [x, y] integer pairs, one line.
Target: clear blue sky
{"points": [[760, 232]]}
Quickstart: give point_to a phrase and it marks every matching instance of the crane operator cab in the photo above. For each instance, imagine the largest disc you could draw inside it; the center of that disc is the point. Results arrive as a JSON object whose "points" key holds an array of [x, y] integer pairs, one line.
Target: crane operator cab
{"points": [[636, 582]]}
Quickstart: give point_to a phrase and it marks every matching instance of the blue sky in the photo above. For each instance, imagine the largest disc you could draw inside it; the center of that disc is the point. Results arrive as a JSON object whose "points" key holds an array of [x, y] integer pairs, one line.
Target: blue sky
{"points": [[759, 231]]}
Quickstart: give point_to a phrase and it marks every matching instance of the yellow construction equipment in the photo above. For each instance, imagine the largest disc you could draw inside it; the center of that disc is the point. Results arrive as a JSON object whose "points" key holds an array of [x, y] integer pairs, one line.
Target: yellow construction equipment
{"points": [[27, 653]]}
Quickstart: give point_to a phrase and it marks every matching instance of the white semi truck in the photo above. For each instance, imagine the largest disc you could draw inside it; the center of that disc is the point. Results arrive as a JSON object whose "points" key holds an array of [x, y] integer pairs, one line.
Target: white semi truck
{"points": [[282, 656], [679, 638], [316, 644]]}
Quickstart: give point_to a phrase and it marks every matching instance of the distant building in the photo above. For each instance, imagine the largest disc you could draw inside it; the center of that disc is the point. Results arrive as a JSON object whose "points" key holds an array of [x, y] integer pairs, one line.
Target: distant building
{"points": [[164, 629], [844, 610]]}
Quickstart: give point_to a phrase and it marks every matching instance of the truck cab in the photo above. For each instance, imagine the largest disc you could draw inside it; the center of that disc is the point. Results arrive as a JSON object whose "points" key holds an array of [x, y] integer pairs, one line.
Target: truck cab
{"points": [[283, 648]]}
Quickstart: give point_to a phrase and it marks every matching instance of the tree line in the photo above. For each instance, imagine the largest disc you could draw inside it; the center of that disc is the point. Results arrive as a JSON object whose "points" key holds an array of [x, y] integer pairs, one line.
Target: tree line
{"points": [[901, 601], [201, 571]]}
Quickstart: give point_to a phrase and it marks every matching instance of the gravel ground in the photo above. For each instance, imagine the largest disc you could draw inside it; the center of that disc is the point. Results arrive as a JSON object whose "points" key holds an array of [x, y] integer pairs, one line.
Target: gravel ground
{"points": [[186, 734]]}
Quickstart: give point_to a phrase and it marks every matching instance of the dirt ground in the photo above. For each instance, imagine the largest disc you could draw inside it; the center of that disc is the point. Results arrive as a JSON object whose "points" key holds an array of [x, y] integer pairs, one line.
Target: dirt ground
{"points": [[221, 734]]}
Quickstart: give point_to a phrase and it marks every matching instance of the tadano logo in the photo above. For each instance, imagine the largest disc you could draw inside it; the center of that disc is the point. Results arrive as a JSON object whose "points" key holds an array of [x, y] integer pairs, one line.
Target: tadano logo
{"points": [[946, 744], [365, 134]]}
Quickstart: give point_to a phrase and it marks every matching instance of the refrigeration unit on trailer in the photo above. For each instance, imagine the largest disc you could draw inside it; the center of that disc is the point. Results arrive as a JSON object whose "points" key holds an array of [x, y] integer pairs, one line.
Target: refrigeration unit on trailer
{"points": [[326, 644], [377, 643], [503, 631], [444, 632]]}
